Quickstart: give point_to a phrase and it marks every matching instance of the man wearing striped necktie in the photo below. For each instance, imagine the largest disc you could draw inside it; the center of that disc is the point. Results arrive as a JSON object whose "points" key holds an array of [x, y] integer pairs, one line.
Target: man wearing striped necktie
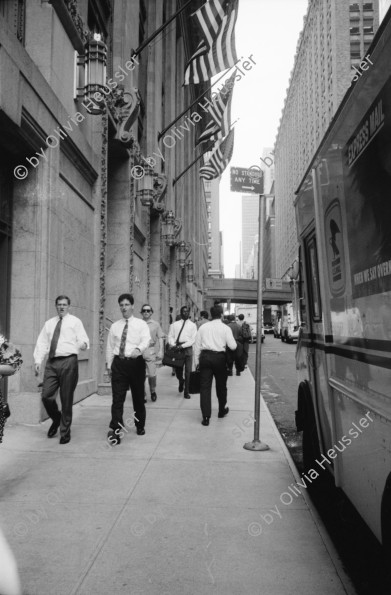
{"points": [[127, 339]]}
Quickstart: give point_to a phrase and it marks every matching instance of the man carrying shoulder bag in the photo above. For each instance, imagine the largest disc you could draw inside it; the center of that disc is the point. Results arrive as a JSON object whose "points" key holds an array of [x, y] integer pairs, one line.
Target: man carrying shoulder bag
{"points": [[182, 334]]}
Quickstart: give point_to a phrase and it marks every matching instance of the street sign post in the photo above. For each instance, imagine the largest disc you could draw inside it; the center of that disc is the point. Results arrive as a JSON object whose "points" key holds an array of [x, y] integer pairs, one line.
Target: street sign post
{"points": [[246, 180]]}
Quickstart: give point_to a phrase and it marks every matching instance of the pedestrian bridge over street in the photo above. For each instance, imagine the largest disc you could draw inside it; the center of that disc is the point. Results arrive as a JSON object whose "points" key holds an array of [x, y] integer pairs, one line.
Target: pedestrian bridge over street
{"points": [[245, 291]]}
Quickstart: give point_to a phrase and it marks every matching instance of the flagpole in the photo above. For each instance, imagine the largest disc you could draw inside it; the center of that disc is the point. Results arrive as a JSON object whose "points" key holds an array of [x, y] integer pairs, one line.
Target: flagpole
{"points": [[187, 168], [159, 30], [160, 134]]}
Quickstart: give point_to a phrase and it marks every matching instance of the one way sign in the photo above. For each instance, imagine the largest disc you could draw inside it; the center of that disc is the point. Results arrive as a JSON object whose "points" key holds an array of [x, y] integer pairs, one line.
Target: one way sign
{"points": [[246, 181]]}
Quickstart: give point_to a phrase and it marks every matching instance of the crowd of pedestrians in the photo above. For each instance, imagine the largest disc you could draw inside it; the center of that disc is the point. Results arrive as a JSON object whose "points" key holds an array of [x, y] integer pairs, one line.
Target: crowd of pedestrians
{"points": [[135, 348]]}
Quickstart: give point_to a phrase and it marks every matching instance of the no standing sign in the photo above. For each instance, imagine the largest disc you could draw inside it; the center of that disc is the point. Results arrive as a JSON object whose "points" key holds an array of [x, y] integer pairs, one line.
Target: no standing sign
{"points": [[246, 180]]}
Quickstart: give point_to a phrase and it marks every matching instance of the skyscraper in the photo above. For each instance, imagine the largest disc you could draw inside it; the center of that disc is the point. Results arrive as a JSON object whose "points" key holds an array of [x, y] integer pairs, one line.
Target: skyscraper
{"points": [[336, 35], [250, 210]]}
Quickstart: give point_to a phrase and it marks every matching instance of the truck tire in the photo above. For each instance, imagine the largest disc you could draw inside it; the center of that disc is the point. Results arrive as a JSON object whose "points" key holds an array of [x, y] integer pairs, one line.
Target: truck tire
{"points": [[307, 425]]}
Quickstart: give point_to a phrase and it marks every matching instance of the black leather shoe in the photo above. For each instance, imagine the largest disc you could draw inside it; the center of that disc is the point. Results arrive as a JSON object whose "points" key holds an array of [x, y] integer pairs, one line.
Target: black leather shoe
{"points": [[153, 396], [205, 421], [181, 386], [187, 396], [237, 373], [230, 373], [113, 438], [54, 427], [65, 439], [223, 413], [140, 431], [6, 411]]}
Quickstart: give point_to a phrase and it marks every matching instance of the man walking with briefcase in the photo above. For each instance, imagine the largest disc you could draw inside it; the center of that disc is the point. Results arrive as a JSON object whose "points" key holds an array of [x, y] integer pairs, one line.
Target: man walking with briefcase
{"points": [[183, 333]]}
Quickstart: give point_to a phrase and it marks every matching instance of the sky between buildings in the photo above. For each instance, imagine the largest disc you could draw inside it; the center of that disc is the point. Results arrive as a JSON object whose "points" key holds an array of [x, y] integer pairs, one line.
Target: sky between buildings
{"points": [[269, 31]]}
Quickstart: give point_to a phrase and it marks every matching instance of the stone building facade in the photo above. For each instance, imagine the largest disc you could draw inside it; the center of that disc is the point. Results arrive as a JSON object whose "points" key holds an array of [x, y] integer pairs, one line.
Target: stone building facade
{"points": [[72, 218], [336, 34]]}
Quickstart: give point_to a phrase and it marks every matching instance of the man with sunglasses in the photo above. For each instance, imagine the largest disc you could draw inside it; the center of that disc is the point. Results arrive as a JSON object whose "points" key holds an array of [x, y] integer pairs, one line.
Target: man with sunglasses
{"points": [[183, 333], [154, 350]]}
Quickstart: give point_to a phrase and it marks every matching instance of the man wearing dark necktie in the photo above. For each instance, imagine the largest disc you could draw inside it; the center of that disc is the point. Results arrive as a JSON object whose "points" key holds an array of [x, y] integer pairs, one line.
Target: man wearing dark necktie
{"points": [[127, 339], [62, 337]]}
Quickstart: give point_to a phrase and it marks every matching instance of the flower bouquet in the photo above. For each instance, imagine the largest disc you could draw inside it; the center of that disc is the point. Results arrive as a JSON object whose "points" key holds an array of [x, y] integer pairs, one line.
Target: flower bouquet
{"points": [[10, 358]]}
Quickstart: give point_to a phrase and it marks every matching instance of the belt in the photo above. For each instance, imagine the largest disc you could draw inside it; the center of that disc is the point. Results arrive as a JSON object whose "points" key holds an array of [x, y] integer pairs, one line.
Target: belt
{"points": [[123, 357], [211, 351], [63, 356]]}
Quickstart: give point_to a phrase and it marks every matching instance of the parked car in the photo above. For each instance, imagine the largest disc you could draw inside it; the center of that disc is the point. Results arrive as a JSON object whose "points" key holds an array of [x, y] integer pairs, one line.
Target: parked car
{"points": [[268, 327], [290, 334]]}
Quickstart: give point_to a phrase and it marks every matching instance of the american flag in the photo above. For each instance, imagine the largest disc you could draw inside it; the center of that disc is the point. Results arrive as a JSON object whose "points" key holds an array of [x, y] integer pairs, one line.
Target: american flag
{"points": [[219, 159], [216, 51], [220, 124]]}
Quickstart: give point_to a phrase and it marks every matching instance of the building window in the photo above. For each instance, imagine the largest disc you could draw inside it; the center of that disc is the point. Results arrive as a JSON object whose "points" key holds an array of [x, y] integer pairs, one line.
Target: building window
{"points": [[14, 12], [367, 6], [354, 30], [354, 7], [368, 30]]}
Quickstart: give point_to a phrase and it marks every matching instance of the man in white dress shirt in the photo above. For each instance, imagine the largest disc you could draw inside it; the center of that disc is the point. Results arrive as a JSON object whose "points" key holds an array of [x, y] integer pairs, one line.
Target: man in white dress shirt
{"points": [[185, 330], [209, 353], [62, 337], [127, 339]]}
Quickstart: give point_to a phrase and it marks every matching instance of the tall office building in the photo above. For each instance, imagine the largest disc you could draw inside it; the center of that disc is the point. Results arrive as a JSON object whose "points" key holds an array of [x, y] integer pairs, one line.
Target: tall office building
{"points": [[250, 210], [336, 34], [76, 217], [215, 260]]}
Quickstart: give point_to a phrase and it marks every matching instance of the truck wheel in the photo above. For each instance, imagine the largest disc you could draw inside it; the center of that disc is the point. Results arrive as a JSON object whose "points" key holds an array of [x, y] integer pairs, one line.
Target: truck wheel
{"points": [[306, 415]]}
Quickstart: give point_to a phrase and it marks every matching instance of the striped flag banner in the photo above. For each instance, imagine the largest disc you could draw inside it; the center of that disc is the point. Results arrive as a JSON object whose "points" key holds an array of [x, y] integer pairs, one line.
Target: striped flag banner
{"points": [[216, 51], [219, 158], [220, 124]]}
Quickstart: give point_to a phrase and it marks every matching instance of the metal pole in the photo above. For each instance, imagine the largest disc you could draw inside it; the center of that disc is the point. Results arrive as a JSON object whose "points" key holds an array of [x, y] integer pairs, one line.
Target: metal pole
{"points": [[256, 444], [156, 33]]}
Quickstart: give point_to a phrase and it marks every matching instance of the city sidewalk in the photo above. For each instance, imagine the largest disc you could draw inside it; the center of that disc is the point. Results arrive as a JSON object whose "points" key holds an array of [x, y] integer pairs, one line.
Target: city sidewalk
{"points": [[182, 510]]}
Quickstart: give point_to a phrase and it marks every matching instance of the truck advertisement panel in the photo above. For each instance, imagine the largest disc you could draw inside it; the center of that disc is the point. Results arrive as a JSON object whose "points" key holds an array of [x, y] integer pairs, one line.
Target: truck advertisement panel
{"points": [[367, 165]]}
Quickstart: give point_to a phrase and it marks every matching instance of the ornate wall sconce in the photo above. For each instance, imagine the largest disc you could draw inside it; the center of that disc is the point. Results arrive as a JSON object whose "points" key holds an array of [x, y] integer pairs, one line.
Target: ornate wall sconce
{"points": [[170, 227], [93, 63], [190, 271], [145, 192], [183, 252]]}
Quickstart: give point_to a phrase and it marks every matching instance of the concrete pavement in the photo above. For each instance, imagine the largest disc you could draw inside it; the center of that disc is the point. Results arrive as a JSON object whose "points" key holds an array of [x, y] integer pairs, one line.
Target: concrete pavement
{"points": [[182, 510]]}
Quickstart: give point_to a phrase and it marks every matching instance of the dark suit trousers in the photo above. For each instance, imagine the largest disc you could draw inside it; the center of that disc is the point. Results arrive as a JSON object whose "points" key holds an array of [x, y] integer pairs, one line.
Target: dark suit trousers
{"points": [[212, 364], [125, 374], [187, 366], [63, 373]]}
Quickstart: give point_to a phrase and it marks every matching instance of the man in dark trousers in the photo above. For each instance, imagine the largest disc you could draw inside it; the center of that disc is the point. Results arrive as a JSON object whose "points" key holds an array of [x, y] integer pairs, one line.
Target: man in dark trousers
{"points": [[244, 338], [127, 339], [183, 332], [62, 337], [209, 353], [236, 356]]}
